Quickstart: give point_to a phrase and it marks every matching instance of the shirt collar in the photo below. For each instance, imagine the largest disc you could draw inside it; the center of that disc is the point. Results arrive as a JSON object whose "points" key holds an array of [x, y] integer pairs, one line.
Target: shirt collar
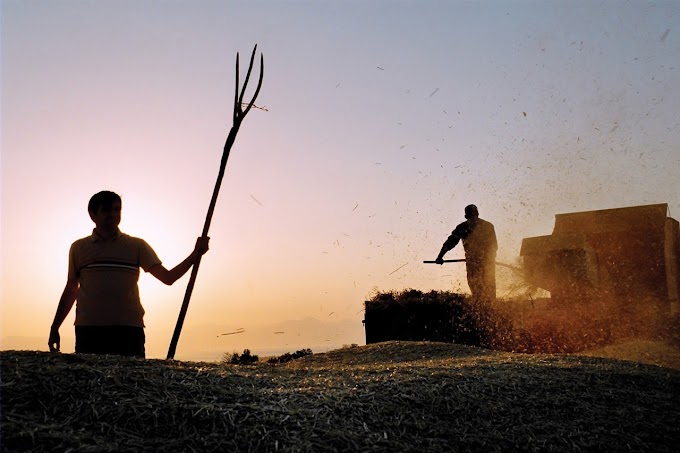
{"points": [[97, 238]]}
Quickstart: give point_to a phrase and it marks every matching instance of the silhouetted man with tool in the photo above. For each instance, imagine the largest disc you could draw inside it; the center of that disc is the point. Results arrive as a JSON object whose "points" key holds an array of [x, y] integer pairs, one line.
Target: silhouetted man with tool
{"points": [[103, 270], [479, 242]]}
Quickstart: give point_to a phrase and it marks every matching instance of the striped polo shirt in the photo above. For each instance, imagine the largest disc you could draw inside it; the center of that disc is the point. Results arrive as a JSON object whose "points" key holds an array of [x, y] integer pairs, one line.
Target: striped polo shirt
{"points": [[107, 272]]}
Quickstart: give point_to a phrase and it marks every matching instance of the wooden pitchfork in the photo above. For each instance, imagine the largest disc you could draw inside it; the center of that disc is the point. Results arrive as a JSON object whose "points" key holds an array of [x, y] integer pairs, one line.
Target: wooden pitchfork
{"points": [[239, 115]]}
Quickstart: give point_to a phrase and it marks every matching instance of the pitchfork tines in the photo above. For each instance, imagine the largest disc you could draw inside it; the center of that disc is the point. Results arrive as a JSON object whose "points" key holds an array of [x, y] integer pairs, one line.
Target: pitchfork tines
{"points": [[239, 113]]}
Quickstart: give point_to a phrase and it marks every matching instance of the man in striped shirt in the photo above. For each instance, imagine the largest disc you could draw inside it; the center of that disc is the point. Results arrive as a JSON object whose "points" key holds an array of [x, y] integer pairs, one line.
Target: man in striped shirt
{"points": [[103, 272]]}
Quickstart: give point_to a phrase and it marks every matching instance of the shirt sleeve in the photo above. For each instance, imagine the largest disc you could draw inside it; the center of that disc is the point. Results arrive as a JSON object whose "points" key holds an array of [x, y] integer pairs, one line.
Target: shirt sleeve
{"points": [[461, 232], [147, 256], [451, 242]]}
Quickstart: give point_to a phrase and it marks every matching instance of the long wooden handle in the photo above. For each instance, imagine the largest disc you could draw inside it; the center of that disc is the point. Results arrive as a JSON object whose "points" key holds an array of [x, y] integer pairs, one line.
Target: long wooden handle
{"points": [[446, 261], [183, 310], [239, 114]]}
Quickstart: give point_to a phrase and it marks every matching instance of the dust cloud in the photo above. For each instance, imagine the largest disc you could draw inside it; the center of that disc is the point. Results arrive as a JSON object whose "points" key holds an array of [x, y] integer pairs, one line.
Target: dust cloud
{"points": [[601, 279]]}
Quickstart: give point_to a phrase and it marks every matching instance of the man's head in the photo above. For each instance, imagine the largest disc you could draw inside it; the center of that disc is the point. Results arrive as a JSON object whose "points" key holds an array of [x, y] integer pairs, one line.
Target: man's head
{"points": [[104, 209], [471, 212], [103, 199]]}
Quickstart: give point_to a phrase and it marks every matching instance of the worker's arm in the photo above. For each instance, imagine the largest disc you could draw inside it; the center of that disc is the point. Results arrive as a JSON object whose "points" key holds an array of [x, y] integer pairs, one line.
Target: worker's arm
{"points": [[449, 244], [68, 297], [461, 232], [442, 252], [171, 276]]}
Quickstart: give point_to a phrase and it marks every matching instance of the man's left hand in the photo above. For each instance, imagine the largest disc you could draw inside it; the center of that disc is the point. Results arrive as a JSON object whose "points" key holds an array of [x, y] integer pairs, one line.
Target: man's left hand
{"points": [[202, 246]]}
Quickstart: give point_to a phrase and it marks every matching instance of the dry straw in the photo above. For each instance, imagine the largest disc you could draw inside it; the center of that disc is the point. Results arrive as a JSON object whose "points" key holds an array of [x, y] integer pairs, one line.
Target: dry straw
{"points": [[394, 396]]}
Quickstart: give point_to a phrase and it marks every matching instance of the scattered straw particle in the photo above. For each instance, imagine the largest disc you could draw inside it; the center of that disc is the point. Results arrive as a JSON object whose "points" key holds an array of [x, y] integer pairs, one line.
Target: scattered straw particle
{"points": [[398, 268], [256, 200], [237, 331]]}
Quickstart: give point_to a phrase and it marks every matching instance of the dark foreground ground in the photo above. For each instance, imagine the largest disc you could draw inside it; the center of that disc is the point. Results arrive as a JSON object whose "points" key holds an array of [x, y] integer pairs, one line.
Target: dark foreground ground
{"points": [[385, 397]]}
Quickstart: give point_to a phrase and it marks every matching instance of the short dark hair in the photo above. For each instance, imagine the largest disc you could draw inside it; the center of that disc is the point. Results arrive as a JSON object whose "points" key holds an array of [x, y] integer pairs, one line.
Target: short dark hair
{"points": [[471, 210], [103, 199]]}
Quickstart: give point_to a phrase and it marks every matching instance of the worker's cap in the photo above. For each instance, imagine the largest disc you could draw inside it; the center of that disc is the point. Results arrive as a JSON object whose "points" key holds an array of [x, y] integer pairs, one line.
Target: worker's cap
{"points": [[470, 211]]}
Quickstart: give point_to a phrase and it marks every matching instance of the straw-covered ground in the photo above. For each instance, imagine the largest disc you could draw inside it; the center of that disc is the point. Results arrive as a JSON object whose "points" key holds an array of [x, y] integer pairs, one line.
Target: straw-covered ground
{"points": [[393, 396]]}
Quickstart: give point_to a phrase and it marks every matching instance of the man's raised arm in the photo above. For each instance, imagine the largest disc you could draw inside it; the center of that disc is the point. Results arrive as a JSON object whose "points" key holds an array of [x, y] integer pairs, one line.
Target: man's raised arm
{"points": [[171, 276]]}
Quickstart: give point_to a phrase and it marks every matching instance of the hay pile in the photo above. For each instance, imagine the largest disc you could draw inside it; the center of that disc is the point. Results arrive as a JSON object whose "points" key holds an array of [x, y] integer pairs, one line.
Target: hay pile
{"points": [[443, 316], [512, 325], [643, 351], [393, 396]]}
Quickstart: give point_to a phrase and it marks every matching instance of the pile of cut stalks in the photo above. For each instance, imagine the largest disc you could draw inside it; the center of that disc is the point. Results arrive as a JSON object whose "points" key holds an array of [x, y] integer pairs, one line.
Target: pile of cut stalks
{"points": [[392, 396]]}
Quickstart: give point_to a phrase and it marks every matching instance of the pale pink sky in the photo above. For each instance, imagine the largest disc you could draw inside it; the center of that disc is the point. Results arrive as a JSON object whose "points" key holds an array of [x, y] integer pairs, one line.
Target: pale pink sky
{"points": [[384, 120]]}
